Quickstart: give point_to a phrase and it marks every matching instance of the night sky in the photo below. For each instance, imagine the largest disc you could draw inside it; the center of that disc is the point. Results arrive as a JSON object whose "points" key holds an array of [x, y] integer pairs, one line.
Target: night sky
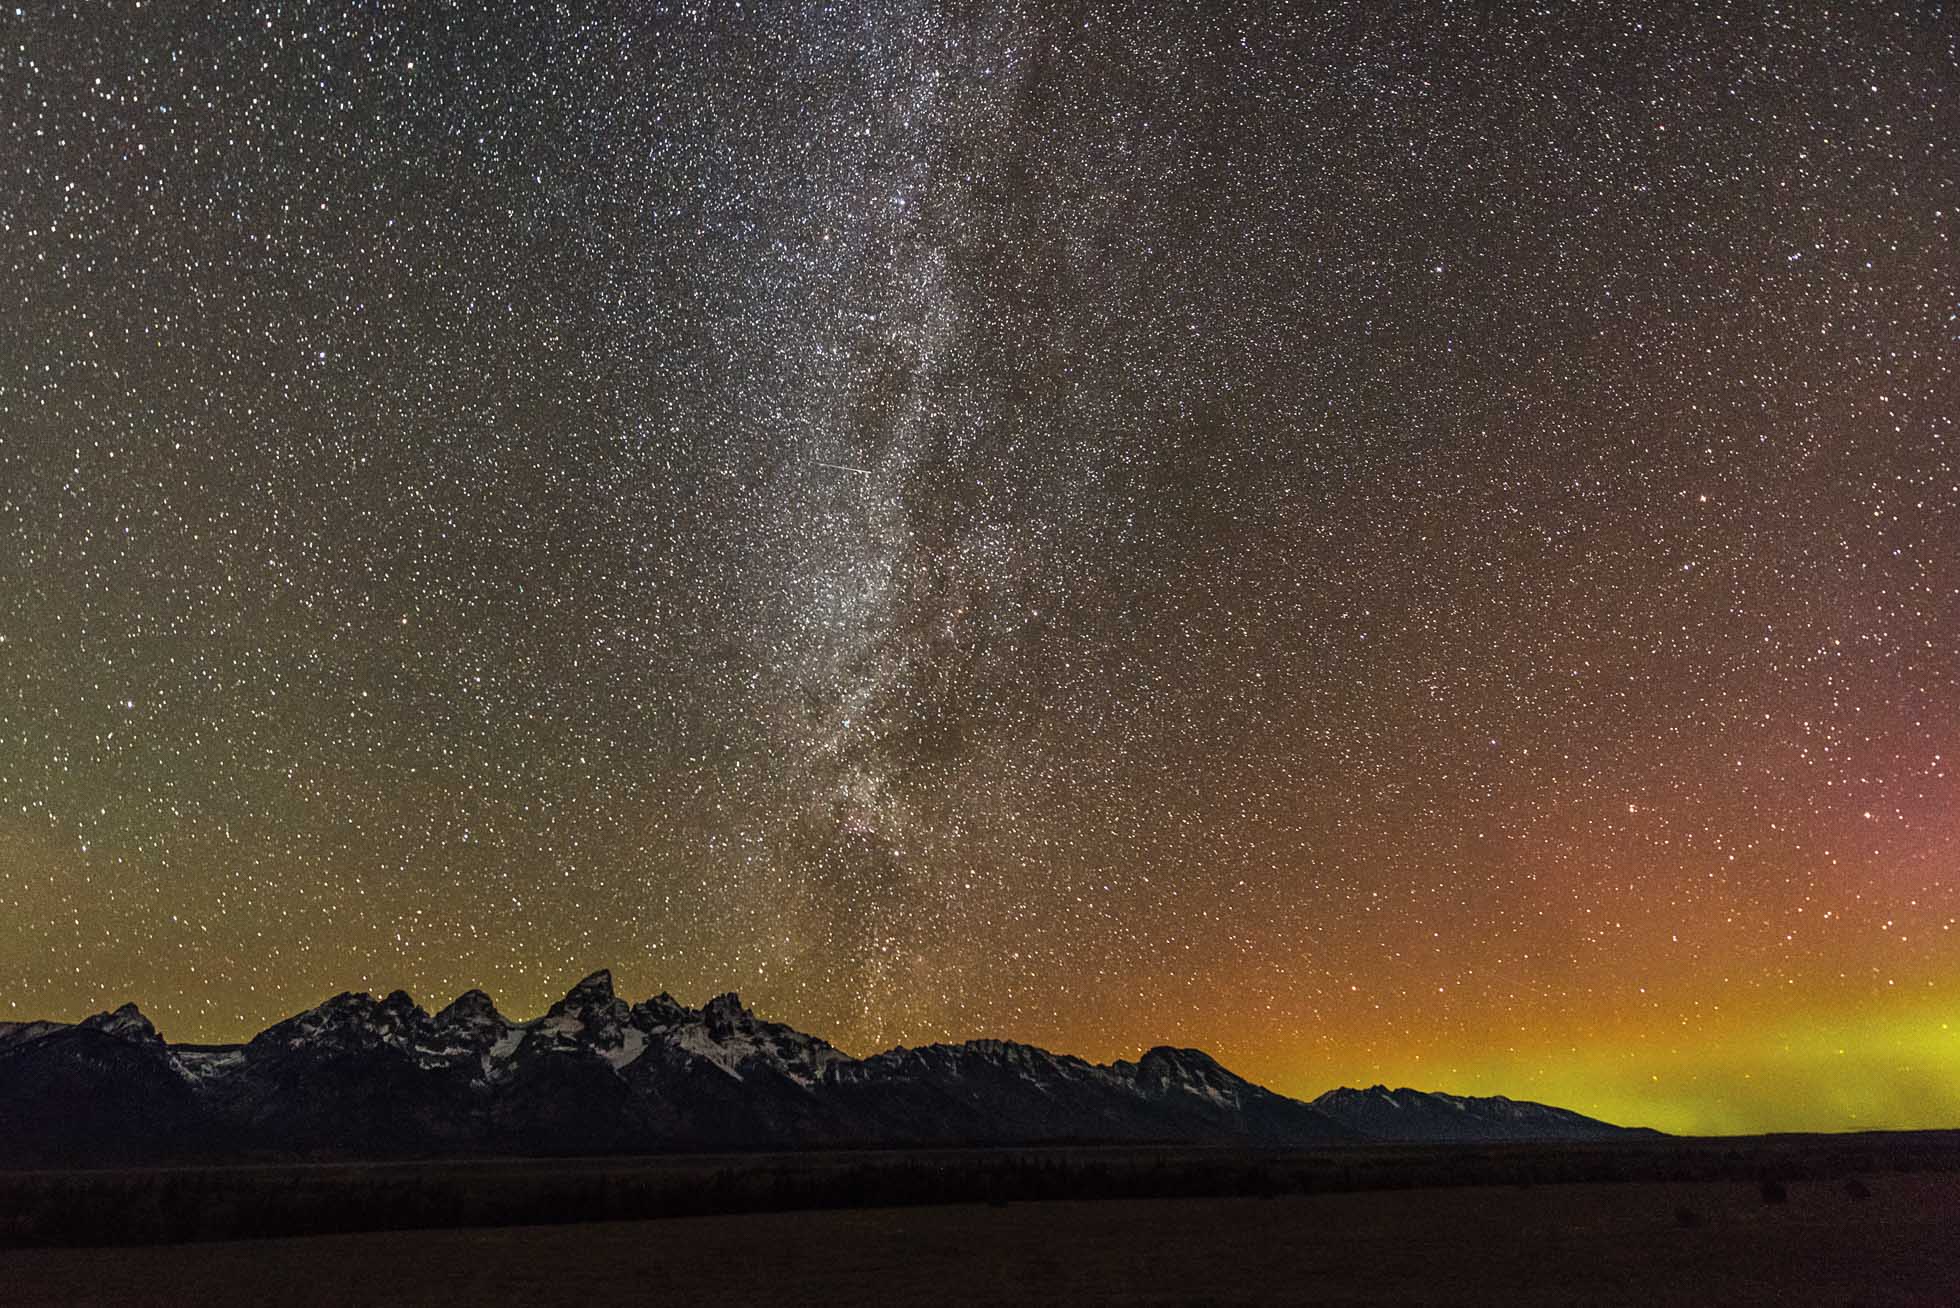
{"points": [[1395, 548]]}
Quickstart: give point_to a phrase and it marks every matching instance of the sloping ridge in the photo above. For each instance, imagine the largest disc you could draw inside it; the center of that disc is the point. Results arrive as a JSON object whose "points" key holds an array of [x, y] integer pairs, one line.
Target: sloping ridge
{"points": [[1419, 1116]]}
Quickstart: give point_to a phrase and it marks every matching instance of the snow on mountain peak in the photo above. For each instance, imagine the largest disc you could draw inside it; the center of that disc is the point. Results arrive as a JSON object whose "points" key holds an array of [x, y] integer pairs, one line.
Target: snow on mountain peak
{"points": [[663, 1010], [125, 1023], [1192, 1071], [596, 1073], [725, 1013], [595, 989], [471, 1008]]}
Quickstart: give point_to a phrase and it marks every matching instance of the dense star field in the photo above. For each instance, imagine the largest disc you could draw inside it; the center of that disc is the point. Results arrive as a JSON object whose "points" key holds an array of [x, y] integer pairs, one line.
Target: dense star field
{"points": [[1421, 550]]}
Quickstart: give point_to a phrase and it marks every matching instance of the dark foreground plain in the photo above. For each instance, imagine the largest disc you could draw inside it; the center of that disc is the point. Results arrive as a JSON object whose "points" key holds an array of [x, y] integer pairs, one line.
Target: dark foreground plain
{"points": [[170, 1205], [1703, 1242], [1867, 1219]]}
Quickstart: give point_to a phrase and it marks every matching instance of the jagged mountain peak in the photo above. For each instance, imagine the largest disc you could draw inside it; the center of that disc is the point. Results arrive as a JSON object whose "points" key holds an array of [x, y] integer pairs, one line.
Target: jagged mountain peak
{"points": [[593, 995], [400, 1006], [590, 1017], [598, 987], [662, 1010], [352, 1019], [1166, 1069], [472, 1007], [725, 1013], [125, 1023]]}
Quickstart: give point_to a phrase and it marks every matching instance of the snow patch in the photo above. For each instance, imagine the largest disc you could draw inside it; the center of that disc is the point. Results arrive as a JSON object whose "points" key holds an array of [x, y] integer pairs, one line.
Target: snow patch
{"points": [[629, 1049], [506, 1045], [696, 1040], [566, 1025], [202, 1065]]}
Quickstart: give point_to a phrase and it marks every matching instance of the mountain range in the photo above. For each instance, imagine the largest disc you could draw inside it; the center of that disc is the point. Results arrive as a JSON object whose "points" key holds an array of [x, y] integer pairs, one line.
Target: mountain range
{"points": [[359, 1077]]}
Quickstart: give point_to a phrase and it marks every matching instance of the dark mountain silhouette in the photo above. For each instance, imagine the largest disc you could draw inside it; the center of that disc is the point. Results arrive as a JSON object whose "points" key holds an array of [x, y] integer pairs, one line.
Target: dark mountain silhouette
{"points": [[1422, 1116], [361, 1077]]}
